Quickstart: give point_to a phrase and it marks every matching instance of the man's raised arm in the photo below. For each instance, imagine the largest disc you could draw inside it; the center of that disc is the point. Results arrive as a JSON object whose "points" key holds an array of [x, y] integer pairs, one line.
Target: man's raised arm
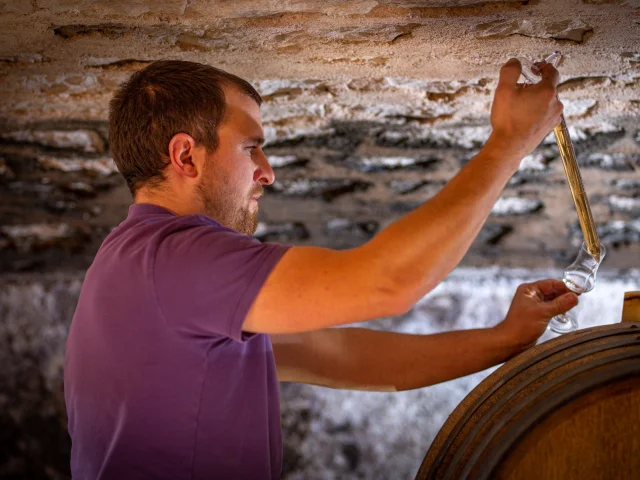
{"points": [[312, 288]]}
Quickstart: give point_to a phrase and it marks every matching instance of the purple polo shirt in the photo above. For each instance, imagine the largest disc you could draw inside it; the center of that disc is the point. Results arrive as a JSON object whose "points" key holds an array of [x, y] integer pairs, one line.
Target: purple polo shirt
{"points": [[160, 381]]}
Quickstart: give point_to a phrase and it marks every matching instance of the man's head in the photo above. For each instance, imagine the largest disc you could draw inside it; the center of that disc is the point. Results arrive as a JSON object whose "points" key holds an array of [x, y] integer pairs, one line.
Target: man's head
{"points": [[189, 136]]}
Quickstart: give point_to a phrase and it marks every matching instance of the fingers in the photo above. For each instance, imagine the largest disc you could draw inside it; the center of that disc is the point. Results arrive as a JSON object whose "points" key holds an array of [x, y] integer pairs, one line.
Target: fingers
{"points": [[549, 75], [560, 109], [535, 68], [510, 73], [547, 287], [561, 304], [551, 285]]}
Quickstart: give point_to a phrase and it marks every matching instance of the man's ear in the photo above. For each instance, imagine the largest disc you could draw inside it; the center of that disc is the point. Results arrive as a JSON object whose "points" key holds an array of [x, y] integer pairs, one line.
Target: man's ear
{"points": [[181, 153]]}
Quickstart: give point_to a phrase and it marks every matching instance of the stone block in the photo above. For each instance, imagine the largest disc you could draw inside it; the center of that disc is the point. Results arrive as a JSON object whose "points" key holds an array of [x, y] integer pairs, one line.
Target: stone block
{"points": [[620, 162], [25, 58], [404, 207], [433, 89], [615, 233], [368, 33], [31, 236], [376, 164], [440, 3], [295, 41], [87, 141], [626, 184], [286, 161], [624, 204], [493, 233], [345, 227], [126, 8], [570, 29], [82, 189], [324, 188], [37, 190], [446, 137], [402, 113], [535, 162], [331, 134], [16, 7], [114, 63], [281, 232], [273, 88], [278, 136], [507, 206], [103, 166], [403, 187], [631, 57], [277, 113], [251, 8], [112, 31], [578, 108]]}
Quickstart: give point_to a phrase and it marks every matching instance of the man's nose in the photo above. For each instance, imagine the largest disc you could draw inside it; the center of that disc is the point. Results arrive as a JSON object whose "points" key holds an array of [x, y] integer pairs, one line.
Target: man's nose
{"points": [[264, 173]]}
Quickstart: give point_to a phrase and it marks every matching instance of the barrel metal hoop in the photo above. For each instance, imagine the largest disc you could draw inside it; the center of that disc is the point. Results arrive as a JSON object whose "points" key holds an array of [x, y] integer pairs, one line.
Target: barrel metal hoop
{"points": [[433, 467], [609, 373], [547, 369]]}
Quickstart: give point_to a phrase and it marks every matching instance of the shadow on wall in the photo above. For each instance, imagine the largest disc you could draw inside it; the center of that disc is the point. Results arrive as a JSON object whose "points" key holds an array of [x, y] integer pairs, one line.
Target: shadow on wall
{"points": [[33, 423]]}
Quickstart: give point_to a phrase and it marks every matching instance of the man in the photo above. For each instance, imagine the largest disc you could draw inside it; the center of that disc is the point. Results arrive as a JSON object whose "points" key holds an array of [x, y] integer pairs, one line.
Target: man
{"points": [[169, 369]]}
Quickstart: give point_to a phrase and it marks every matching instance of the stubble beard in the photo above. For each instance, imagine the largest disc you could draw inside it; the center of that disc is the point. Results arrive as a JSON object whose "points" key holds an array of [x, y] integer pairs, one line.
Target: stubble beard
{"points": [[225, 211]]}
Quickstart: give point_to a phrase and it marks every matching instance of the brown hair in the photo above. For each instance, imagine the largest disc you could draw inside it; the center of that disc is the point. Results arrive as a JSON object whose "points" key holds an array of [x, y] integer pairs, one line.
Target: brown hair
{"points": [[165, 98]]}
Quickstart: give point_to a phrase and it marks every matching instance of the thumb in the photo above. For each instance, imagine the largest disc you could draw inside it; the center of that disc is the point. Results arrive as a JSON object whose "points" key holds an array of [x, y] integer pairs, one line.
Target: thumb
{"points": [[510, 73], [562, 304]]}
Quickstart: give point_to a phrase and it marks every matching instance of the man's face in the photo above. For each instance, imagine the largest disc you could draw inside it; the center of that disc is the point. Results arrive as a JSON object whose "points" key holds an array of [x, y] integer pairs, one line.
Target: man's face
{"points": [[233, 176]]}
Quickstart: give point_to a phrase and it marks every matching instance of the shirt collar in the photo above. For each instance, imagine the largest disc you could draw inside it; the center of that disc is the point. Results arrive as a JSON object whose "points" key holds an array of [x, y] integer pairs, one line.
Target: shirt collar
{"points": [[148, 209]]}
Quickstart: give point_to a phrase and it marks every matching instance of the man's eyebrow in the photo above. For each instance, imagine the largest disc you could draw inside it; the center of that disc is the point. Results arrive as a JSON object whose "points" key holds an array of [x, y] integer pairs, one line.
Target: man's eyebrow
{"points": [[258, 140]]}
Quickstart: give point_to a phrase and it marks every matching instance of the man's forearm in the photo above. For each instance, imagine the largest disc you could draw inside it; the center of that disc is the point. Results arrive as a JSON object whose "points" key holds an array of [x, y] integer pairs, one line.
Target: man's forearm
{"points": [[361, 359], [422, 248]]}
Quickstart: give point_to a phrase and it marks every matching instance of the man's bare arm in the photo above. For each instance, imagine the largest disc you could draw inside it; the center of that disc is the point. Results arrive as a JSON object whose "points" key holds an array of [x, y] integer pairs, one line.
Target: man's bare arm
{"points": [[312, 288], [361, 359]]}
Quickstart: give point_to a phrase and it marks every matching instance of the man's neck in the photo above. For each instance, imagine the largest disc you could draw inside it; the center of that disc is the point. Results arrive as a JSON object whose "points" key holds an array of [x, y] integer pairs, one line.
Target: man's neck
{"points": [[174, 205]]}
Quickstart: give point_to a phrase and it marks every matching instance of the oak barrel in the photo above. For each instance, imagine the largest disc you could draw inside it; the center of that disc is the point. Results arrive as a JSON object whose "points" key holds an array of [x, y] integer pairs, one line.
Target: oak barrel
{"points": [[568, 408]]}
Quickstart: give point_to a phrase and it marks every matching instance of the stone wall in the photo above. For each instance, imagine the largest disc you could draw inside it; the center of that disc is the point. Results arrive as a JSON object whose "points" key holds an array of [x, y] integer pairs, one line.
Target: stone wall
{"points": [[370, 107]]}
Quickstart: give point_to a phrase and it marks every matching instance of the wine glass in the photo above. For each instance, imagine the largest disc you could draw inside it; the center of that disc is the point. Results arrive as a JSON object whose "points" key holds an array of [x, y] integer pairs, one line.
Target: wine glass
{"points": [[579, 277]]}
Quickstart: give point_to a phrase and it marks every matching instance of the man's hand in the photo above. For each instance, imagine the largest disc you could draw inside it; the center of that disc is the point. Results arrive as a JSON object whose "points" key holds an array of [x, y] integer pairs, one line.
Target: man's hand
{"points": [[533, 305], [522, 115]]}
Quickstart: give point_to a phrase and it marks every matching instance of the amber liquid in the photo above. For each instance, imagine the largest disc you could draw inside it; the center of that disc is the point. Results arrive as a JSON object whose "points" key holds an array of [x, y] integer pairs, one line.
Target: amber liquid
{"points": [[580, 199]]}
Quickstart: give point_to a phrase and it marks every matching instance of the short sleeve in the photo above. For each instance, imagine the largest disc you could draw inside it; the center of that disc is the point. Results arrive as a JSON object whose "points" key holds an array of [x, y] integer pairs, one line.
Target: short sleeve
{"points": [[206, 277]]}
